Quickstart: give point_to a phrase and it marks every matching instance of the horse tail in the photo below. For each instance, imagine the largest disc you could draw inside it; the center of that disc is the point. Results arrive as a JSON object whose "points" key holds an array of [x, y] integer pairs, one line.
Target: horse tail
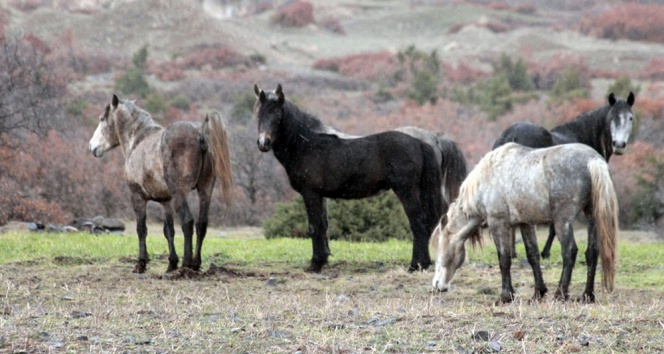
{"points": [[605, 213], [432, 201], [216, 140], [453, 168]]}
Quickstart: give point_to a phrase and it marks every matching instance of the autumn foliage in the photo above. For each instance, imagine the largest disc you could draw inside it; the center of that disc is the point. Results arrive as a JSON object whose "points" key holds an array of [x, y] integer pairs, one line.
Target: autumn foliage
{"points": [[368, 66], [296, 14], [633, 21]]}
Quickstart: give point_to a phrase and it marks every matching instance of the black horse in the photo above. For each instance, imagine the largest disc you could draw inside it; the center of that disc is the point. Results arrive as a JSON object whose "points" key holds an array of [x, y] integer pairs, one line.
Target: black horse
{"points": [[606, 129], [323, 166]]}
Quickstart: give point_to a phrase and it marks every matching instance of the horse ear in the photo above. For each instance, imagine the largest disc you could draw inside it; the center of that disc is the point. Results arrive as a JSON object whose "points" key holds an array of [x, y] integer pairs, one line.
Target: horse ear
{"points": [[261, 97], [108, 108], [256, 90], [280, 95], [115, 101], [630, 99], [612, 99]]}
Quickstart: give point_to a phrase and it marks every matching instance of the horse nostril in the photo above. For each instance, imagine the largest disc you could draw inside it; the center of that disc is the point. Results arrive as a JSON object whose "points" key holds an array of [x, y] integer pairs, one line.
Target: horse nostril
{"points": [[619, 144]]}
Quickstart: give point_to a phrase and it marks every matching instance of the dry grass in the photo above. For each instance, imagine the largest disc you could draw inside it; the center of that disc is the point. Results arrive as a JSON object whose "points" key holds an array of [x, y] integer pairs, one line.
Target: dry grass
{"points": [[88, 305]]}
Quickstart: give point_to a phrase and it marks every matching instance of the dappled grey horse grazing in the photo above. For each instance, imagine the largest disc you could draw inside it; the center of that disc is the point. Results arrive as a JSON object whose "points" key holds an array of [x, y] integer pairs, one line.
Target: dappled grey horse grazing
{"points": [[606, 129], [163, 165], [519, 186]]}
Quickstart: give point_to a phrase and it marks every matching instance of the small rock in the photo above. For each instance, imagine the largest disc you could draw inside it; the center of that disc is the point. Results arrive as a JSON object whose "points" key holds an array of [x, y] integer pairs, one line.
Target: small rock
{"points": [[80, 314], [237, 329], [82, 338], [279, 334], [353, 312], [372, 288], [481, 336], [523, 263], [372, 320], [336, 326], [54, 343], [494, 346], [584, 341], [387, 321], [432, 344], [271, 281]]}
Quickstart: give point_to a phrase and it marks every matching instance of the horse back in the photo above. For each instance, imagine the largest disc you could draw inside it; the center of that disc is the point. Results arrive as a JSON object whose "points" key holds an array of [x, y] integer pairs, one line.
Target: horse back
{"points": [[526, 134], [165, 160]]}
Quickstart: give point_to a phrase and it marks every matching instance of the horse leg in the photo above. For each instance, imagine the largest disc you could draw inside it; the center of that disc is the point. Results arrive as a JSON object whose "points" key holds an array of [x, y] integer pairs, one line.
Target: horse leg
{"points": [[317, 215], [417, 219], [139, 204], [204, 199], [592, 254], [569, 250], [169, 233], [513, 238], [532, 253], [546, 252], [187, 222], [501, 234]]}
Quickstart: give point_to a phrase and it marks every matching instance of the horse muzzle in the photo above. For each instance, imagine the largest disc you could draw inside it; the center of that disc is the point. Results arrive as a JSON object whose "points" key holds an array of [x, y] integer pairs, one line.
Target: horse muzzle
{"points": [[97, 152], [619, 147], [264, 143]]}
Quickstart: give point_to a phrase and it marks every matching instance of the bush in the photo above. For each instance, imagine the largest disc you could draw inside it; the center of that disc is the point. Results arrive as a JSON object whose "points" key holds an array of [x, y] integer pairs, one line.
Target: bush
{"points": [[181, 102], [648, 201], [374, 219], [516, 73], [296, 14], [640, 22], [569, 86], [622, 87], [133, 81], [155, 103], [243, 107]]}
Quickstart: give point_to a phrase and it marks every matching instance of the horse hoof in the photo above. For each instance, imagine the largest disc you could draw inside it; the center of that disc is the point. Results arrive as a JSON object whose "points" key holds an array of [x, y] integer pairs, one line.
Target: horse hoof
{"points": [[587, 299], [140, 267], [545, 255], [171, 268]]}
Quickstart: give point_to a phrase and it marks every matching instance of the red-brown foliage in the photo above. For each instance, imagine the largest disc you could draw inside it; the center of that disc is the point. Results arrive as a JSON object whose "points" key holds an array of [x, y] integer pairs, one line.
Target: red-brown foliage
{"points": [[54, 178], [634, 21], [37, 43], [463, 73], [295, 14], [367, 66], [654, 70]]}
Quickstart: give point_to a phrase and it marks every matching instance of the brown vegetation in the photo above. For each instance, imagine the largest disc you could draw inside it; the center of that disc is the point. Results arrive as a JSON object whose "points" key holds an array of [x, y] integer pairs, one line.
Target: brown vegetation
{"points": [[633, 21]]}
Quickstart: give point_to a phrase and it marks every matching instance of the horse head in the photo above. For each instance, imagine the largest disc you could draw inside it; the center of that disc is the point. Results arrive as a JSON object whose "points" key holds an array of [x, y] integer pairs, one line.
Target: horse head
{"points": [[450, 247], [104, 137], [621, 118], [269, 111]]}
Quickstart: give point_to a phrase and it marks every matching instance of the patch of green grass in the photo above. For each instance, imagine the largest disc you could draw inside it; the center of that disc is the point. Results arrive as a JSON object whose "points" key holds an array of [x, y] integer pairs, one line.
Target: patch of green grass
{"points": [[639, 265]]}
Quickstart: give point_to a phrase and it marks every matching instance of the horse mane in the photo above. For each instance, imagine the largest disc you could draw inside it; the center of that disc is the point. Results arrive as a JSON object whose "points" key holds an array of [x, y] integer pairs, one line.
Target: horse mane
{"points": [[137, 121], [596, 136], [471, 185]]}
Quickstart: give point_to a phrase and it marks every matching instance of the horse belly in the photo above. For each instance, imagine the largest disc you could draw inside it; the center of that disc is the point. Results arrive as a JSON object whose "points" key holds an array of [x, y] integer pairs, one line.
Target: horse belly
{"points": [[144, 172]]}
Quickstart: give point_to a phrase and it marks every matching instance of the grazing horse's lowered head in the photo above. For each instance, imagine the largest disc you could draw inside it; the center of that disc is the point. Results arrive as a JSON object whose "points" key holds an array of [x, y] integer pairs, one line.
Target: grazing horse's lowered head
{"points": [[621, 117]]}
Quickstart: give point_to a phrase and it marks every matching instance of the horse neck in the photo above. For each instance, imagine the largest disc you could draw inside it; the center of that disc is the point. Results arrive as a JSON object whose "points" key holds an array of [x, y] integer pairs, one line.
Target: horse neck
{"points": [[133, 130], [294, 134], [591, 129]]}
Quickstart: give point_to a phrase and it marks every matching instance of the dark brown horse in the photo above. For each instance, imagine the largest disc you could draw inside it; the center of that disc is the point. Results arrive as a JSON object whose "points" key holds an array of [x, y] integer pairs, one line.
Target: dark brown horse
{"points": [[321, 165], [163, 165]]}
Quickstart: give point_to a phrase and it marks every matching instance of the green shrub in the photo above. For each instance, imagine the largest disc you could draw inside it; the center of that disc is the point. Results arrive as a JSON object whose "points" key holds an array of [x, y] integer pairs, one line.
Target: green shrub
{"points": [[374, 219], [569, 86], [648, 201], [622, 87], [181, 102], [243, 106], [155, 103], [516, 73], [133, 81], [424, 71]]}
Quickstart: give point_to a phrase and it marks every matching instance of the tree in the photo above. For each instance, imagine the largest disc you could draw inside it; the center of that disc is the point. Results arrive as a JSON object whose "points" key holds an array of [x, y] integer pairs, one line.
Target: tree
{"points": [[30, 91], [133, 81]]}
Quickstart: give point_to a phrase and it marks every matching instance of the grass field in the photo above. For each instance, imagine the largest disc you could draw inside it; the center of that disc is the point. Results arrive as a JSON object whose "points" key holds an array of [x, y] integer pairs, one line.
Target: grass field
{"points": [[76, 293]]}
